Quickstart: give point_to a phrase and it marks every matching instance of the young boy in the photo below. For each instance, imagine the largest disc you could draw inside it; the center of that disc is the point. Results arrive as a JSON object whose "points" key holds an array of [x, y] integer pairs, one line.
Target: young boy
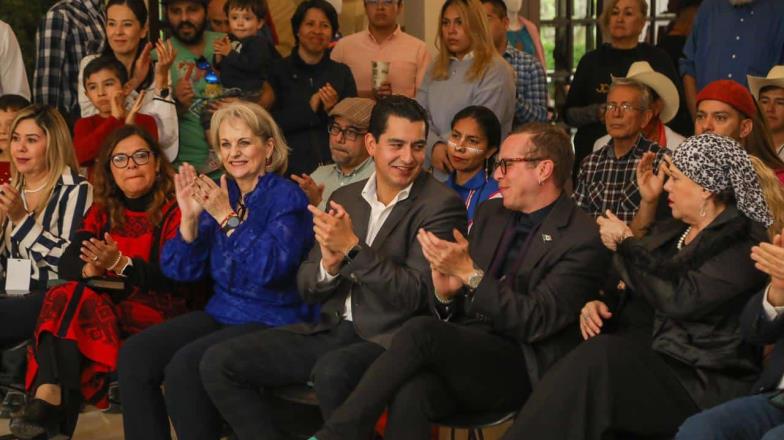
{"points": [[243, 57], [104, 78], [9, 107]]}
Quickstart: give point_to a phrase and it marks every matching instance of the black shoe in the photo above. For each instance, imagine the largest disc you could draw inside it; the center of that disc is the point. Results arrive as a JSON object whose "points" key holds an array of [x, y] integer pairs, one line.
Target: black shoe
{"points": [[38, 418], [115, 407], [13, 402]]}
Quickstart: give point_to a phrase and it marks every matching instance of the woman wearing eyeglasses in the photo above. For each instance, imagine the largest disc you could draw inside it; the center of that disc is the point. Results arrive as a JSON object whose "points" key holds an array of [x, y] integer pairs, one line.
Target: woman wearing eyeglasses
{"points": [[247, 235], [80, 327], [475, 137]]}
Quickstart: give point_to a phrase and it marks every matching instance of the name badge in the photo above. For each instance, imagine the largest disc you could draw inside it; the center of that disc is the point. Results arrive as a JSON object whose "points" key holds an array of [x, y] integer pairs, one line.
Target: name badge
{"points": [[17, 280]]}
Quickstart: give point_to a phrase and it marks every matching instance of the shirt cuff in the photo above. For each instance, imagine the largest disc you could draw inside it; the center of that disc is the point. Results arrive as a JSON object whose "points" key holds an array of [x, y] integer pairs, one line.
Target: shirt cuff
{"points": [[771, 311], [324, 276]]}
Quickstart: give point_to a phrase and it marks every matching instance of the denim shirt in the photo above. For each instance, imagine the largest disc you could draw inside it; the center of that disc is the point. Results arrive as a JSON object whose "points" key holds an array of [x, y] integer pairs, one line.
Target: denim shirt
{"points": [[254, 270]]}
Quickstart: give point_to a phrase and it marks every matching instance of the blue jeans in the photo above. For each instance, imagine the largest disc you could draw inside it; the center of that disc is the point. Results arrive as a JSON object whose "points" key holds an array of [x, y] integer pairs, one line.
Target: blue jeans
{"points": [[745, 418]]}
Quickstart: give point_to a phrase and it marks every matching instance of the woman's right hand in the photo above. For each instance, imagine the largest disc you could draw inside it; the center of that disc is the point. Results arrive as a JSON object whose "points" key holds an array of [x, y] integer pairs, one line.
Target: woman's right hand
{"points": [[190, 209], [592, 318], [117, 102], [650, 184], [439, 159]]}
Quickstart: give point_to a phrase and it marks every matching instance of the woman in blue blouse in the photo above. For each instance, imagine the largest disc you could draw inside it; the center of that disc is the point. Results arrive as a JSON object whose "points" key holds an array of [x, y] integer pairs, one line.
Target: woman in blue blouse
{"points": [[475, 138], [247, 234]]}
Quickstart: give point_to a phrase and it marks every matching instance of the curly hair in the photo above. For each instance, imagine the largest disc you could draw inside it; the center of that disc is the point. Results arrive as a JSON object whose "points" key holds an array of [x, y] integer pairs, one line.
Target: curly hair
{"points": [[107, 194]]}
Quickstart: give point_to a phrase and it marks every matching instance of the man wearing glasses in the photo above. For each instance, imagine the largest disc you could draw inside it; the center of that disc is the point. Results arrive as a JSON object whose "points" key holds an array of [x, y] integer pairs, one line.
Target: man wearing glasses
{"points": [[347, 130], [508, 299], [607, 179]]}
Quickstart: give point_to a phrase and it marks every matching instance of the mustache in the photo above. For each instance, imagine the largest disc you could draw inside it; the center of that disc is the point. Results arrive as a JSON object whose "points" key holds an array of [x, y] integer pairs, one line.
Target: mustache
{"points": [[182, 25]]}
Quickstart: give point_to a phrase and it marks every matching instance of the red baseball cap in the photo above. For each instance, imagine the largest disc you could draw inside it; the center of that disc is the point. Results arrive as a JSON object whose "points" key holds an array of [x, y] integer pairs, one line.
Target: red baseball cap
{"points": [[729, 92]]}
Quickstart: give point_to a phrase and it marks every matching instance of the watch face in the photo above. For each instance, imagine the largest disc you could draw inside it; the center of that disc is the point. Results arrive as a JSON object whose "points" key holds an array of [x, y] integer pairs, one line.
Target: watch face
{"points": [[233, 222]]}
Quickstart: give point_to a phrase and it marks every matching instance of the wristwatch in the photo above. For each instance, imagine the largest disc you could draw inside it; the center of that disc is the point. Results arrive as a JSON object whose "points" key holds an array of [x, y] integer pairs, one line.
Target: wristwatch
{"points": [[475, 278], [230, 222], [352, 253]]}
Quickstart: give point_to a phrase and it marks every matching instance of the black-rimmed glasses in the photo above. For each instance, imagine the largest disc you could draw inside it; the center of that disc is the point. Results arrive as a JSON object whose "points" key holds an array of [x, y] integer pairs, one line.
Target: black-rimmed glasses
{"points": [[503, 164], [350, 133], [140, 157]]}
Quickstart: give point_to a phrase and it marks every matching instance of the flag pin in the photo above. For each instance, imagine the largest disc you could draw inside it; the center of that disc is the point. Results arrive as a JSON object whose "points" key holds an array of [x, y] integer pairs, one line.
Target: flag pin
{"points": [[546, 237]]}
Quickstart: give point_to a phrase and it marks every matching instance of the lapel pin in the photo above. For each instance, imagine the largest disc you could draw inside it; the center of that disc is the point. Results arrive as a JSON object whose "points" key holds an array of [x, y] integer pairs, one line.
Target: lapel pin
{"points": [[546, 238]]}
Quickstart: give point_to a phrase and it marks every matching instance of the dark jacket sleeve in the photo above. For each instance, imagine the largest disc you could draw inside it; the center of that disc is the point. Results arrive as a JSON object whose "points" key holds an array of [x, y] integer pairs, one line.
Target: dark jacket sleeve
{"points": [[756, 326], [292, 111], [577, 99], [555, 301], [695, 291], [253, 60]]}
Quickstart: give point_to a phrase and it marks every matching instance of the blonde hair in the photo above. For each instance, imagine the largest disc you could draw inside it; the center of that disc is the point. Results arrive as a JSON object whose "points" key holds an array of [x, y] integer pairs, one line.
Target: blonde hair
{"points": [[60, 153], [773, 193], [604, 18], [474, 18], [261, 124]]}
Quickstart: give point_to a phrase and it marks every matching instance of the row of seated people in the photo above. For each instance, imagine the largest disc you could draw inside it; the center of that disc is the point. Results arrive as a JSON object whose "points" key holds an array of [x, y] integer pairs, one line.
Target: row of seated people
{"points": [[379, 299]]}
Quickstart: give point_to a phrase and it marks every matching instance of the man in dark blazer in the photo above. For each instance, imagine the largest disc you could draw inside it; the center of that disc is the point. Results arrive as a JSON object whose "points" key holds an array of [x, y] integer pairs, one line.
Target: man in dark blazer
{"points": [[367, 271], [509, 299], [761, 415]]}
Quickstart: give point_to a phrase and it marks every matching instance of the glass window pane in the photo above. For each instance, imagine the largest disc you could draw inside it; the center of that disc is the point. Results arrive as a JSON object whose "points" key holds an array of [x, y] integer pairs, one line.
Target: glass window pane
{"points": [[580, 8], [579, 33], [548, 41], [547, 10]]}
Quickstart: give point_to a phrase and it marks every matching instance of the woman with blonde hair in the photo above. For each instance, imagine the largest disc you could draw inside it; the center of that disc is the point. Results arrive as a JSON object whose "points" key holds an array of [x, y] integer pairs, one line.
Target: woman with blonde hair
{"points": [[135, 212], [773, 192], [622, 23], [247, 234], [467, 71], [41, 210]]}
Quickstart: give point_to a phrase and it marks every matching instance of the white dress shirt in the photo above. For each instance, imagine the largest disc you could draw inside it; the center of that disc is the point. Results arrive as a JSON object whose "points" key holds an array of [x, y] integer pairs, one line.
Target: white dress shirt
{"points": [[378, 215]]}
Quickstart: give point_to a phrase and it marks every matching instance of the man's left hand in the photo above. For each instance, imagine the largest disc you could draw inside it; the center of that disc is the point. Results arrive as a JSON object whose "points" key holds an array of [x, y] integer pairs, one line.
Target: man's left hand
{"points": [[447, 257]]}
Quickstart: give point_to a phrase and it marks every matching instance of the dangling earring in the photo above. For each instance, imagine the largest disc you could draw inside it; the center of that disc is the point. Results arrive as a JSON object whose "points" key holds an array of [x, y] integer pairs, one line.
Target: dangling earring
{"points": [[703, 213]]}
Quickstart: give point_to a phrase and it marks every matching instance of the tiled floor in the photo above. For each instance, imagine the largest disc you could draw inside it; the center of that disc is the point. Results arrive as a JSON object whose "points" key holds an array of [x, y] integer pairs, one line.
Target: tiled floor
{"points": [[93, 425]]}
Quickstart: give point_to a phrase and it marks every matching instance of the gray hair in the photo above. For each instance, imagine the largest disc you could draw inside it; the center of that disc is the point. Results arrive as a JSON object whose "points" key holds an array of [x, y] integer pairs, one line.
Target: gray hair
{"points": [[646, 94]]}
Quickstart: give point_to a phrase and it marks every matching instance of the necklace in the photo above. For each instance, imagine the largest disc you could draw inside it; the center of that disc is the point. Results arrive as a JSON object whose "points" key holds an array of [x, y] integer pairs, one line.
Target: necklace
{"points": [[679, 245], [30, 191]]}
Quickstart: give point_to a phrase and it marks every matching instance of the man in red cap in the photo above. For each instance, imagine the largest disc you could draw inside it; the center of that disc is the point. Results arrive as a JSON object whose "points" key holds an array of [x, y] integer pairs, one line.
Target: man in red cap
{"points": [[727, 108]]}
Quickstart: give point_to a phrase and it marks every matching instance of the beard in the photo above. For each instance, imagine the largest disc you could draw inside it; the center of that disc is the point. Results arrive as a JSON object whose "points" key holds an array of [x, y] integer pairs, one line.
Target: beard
{"points": [[190, 39]]}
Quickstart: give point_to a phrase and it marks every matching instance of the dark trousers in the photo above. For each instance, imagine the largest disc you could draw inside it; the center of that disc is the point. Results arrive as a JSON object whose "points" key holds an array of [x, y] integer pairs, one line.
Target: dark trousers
{"points": [[608, 387], [236, 373], [431, 370], [746, 418], [18, 315], [169, 354], [60, 363]]}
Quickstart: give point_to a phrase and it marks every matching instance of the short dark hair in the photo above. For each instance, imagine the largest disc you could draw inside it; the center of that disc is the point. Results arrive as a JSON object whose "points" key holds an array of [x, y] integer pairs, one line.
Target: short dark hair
{"points": [[258, 7], [395, 105], [487, 121], [767, 89], [105, 62], [325, 6], [551, 143], [13, 103], [498, 6], [399, 2]]}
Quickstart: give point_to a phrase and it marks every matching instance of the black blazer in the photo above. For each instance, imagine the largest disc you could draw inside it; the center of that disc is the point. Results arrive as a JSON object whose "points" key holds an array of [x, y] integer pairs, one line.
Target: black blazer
{"points": [[758, 329], [564, 266], [390, 281]]}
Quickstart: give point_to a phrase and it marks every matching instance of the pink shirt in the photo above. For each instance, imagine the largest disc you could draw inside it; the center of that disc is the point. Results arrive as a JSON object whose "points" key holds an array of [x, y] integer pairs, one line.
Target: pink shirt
{"points": [[408, 58]]}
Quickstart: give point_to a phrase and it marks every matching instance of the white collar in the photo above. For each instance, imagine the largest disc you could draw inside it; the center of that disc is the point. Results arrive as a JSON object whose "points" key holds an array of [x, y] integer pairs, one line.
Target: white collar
{"points": [[370, 194]]}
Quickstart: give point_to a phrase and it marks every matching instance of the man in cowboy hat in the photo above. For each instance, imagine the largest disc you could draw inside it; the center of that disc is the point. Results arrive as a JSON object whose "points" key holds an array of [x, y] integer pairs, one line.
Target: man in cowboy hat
{"points": [[607, 177], [769, 92], [665, 105]]}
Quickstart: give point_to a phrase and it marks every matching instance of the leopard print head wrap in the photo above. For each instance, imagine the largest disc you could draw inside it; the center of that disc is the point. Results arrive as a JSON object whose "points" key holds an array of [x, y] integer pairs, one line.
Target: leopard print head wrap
{"points": [[718, 163]]}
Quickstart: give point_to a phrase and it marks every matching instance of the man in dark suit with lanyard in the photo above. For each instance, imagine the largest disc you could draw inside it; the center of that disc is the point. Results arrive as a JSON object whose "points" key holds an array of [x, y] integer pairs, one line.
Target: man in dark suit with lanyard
{"points": [[509, 299], [367, 271]]}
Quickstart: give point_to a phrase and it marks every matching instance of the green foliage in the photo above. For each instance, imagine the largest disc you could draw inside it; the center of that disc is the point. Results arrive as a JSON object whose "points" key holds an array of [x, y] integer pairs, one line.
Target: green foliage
{"points": [[23, 17]]}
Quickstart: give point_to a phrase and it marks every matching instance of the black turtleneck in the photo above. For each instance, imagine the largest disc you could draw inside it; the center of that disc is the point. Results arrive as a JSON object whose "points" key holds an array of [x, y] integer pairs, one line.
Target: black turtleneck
{"points": [[139, 204], [523, 225]]}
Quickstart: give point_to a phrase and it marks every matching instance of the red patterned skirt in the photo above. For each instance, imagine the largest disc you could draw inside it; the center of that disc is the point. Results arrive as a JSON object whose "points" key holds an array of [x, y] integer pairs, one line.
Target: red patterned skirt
{"points": [[97, 325]]}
